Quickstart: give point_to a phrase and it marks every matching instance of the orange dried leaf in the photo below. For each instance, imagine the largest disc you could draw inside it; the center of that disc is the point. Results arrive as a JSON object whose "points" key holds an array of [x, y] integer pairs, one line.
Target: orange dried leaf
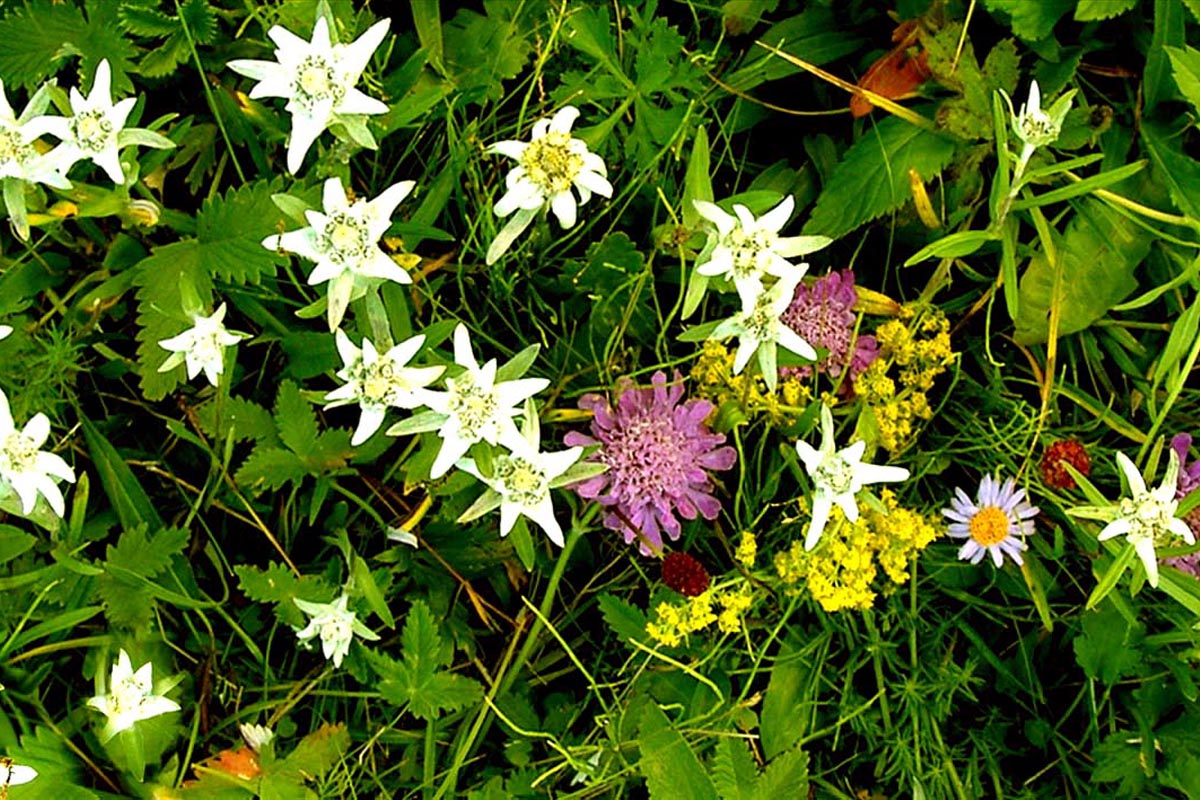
{"points": [[240, 763]]}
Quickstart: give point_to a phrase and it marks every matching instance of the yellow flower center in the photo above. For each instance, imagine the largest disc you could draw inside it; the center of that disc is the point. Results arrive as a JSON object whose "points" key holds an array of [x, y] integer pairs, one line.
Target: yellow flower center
{"points": [[314, 79], [550, 163], [989, 526]]}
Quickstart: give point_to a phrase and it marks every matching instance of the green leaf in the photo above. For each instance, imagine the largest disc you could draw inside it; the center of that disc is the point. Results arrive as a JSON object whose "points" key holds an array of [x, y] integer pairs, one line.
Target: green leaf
{"points": [[626, 620], [248, 420], [201, 20], [733, 772], [1032, 20], [270, 468], [14, 542], [279, 585], [1194, 7], [313, 758], [1157, 84], [872, 177], [41, 35], [146, 21], [1099, 253], [1177, 171], [129, 500], [787, 774], [955, 245], [170, 271], [589, 30], [296, 420], [428, 21], [230, 231], [1109, 648], [667, 761], [417, 680], [470, 34], [814, 35], [1089, 10], [697, 182], [1185, 66], [128, 603], [781, 727]]}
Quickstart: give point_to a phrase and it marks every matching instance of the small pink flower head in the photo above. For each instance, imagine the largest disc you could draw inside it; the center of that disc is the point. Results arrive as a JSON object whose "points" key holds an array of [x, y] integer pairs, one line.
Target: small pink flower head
{"points": [[659, 453], [823, 315]]}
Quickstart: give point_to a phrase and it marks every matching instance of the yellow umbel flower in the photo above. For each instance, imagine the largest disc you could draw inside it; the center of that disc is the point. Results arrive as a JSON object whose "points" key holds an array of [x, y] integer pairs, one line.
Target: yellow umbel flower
{"points": [[716, 382], [747, 550]]}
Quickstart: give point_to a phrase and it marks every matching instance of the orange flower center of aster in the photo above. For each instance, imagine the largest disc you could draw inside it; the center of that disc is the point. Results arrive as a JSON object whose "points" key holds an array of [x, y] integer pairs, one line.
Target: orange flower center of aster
{"points": [[989, 526]]}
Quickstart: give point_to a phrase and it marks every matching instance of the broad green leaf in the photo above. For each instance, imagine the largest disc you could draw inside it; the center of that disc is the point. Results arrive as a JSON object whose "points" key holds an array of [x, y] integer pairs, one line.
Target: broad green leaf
{"points": [[781, 726], [163, 278], [270, 468], [589, 30], [1031, 20], [248, 420], [814, 35], [1194, 7], [697, 182], [41, 35], [230, 230], [786, 774], [317, 753], [733, 772], [1099, 253], [667, 761], [201, 20], [365, 582], [129, 500], [14, 542], [278, 585], [428, 21], [496, 34], [872, 177], [1185, 66], [296, 420], [1109, 648], [146, 21], [1177, 171], [1089, 10], [128, 603]]}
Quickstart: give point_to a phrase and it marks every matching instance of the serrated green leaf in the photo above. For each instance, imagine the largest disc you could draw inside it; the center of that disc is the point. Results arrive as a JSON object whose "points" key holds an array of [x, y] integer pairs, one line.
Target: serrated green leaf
{"points": [[146, 21], [417, 681], [162, 279], [626, 620], [667, 761], [466, 36], [231, 229], [128, 499], [319, 752], [1090, 10], [1031, 20], [200, 19], [296, 420], [270, 468], [787, 774], [247, 419], [278, 585], [14, 542], [1185, 65], [733, 772], [781, 729], [127, 602], [1108, 648], [872, 177]]}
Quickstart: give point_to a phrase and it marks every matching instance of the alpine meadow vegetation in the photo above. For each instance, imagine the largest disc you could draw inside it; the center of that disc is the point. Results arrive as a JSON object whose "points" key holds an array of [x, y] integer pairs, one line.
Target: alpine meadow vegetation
{"points": [[734, 400]]}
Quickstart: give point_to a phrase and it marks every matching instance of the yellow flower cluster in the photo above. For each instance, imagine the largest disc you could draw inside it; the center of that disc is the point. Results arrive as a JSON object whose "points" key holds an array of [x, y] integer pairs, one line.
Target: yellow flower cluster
{"points": [[747, 550], [715, 381], [841, 572], [673, 622], [916, 349]]}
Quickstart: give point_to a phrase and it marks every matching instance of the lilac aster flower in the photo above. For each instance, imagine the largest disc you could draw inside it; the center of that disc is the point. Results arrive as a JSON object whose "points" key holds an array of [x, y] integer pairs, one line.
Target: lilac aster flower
{"points": [[823, 315], [1189, 479], [657, 451], [992, 523]]}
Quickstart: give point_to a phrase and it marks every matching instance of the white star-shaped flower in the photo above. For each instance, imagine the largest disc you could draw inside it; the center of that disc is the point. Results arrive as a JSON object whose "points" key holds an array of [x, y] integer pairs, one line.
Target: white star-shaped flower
{"points": [[202, 346], [1147, 515], [550, 165], [521, 480], [344, 242], [96, 128], [25, 467], [131, 697], [837, 476], [317, 78], [1033, 126], [20, 161], [474, 407], [745, 248], [378, 382], [334, 625], [760, 327]]}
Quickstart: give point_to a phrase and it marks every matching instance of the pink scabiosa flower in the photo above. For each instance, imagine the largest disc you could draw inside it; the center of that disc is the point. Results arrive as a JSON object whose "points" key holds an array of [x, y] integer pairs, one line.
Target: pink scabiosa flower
{"points": [[658, 452], [823, 315], [995, 522], [1189, 479]]}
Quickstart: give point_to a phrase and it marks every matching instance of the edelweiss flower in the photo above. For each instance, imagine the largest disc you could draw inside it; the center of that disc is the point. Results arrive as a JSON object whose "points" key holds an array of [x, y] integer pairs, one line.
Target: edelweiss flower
{"points": [[131, 697], [1145, 516], [202, 346], [659, 453], [378, 382], [334, 625], [995, 523], [474, 407], [838, 475], [760, 329], [745, 249], [20, 161], [255, 735], [551, 164], [15, 774], [344, 242], [317, 78], [96, 128], [1033, 126], [25, 467], [521, 481]]}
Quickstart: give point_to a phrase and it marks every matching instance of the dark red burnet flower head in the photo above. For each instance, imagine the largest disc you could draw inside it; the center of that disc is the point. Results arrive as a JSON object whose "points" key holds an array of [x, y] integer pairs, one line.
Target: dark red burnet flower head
{"points": [[1070, 451], [685, 574]]}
